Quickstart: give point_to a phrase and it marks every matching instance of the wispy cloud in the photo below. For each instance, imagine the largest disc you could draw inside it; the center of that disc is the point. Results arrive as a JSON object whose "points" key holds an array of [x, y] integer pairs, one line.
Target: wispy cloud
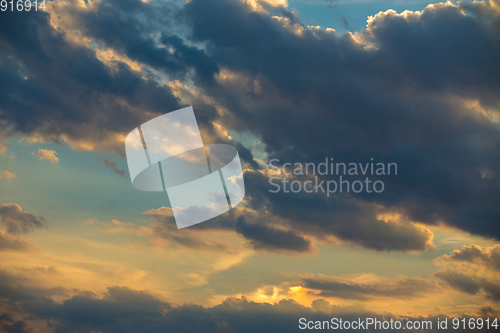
{"points": [[10, 243], [7, 175], [3, 148], [401, 287], [112, 166]]}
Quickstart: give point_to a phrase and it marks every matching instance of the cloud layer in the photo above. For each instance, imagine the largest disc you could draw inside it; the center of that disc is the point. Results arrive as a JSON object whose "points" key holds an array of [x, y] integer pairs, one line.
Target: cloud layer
{"points": [[120, 309]]}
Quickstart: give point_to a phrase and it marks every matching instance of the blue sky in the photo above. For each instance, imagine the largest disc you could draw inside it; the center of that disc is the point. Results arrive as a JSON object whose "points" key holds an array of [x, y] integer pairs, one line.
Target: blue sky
{"points": [[334, 14]]}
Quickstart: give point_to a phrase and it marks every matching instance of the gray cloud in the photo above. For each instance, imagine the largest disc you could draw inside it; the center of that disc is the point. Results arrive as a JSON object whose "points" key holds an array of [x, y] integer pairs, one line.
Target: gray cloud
{"points": [[17, 220], [470, 283], [292, 222], [165, 227], [397, 288], [262, 237], [112, 166], [252, 226], [343, 217], [8, 325], [460, 281], [64, 92], [123, 28]]}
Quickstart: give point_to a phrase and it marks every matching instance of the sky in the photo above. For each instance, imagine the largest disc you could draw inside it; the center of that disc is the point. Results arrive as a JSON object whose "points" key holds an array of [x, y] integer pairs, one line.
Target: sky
{"points": [[414, 83]]}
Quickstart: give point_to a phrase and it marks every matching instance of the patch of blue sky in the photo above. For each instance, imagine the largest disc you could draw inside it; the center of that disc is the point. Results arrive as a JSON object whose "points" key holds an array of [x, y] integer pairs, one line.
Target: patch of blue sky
{"points": [[77, 188], [346, 15]]}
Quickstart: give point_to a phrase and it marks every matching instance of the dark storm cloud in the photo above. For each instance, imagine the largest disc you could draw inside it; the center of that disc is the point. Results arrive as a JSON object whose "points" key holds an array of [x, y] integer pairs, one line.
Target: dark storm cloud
{"points": [[246, 155], [397, 288], [489, 258], [401, 91], [17, 220], [57, 90], [128, 29]]}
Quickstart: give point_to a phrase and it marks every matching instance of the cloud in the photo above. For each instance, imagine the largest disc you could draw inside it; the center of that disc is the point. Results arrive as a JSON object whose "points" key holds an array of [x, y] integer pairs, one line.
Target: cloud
{"points": [[112, 166], [164, 229], [47, 154], [163, 233], [159, 211], [401, 90], [41, 105], [472, 270], [173, 56], [401, 287], [3, 148], [119, 226], [473, 254], [247, 223], [17, 220], [291, 228], [117, 304], [343, 218], [471, 283], [262, 237], [460, 281], [119, 309], [7, 175], [10, 243], [9, 325]]}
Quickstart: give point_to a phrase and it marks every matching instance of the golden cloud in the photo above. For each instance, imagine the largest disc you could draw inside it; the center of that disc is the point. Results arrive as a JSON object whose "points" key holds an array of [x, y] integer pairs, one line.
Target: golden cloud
{"points": [[7, 175], [47, 154]]}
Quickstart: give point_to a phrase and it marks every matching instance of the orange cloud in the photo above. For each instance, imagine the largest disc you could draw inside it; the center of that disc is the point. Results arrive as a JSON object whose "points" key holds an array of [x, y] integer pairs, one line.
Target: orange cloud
{"points": [[474, 254], [47, 154], [3, 148], [7, 175], [10, 243], [159, 211]]}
